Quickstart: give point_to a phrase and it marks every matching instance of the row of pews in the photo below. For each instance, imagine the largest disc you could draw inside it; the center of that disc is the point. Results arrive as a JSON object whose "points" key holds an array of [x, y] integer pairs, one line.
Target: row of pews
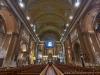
{"points": [[48, 69], [24, 70], [77, 70]]}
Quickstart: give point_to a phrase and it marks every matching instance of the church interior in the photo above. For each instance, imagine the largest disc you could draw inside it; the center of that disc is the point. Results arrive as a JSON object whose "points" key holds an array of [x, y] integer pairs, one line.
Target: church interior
{"points": [[49, 37]]}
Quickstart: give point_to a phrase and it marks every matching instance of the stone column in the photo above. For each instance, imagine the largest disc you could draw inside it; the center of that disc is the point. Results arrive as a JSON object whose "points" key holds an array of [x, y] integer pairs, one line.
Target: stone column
{"points": [[95, 47], [63, 50], [85, 50], [17, 48], [89, 46], [36, 51], [10, 48], [68, 51], [29, 44]]}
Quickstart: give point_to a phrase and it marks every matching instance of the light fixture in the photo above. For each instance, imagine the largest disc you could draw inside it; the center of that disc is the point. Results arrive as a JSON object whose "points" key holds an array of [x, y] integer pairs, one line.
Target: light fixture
{"points": [[34, 28], [1, 3], [67, 25], [71, 17], [21, 4], [62, 34], [64, 29], [28, 18], [77, 3], [31, 25]]}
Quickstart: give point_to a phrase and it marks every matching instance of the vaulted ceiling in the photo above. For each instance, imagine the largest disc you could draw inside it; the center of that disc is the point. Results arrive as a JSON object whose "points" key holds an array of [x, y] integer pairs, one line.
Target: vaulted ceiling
{"points": [[49, 16]]}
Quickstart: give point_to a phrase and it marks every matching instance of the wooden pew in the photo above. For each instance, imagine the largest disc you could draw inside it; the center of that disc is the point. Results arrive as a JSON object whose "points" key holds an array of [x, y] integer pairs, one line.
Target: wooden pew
{"points": [[24, 70], [77, 70]]}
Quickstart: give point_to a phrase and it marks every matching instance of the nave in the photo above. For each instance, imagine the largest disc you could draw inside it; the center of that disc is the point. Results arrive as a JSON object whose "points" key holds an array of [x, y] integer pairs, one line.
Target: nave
{"points": [[49, 37]]}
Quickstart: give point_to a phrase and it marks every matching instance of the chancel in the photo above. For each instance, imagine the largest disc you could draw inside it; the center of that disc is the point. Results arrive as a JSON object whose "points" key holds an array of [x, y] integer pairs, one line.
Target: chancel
{"points": [[49, 37]]}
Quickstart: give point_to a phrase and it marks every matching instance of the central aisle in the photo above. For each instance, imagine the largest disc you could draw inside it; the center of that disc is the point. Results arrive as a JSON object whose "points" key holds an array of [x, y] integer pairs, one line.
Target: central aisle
{"points": [[50, 71]]}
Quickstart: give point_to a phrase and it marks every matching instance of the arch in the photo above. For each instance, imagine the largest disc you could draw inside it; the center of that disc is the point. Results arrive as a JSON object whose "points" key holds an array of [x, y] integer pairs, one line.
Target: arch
{"points": [[10, 26], [88, 27], [10, 21], [89, 19]]}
